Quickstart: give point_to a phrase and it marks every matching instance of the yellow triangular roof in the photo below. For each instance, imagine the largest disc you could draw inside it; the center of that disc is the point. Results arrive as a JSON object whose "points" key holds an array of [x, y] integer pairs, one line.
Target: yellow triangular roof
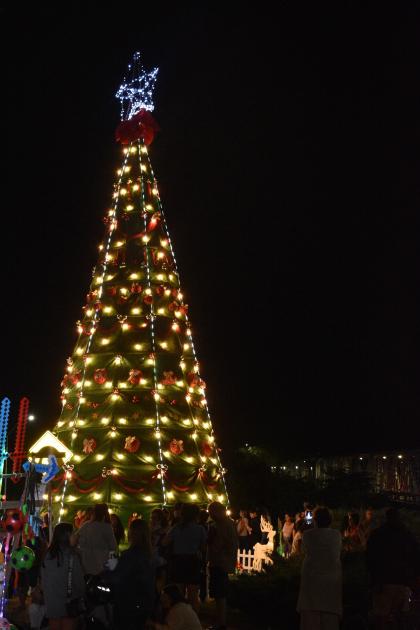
{"points": [[50, 440]]}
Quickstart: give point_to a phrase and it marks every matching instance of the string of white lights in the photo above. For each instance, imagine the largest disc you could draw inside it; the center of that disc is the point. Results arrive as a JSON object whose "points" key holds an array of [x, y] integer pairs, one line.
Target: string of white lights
{"points": [[221, 469], [152, 327], [92, 330]]}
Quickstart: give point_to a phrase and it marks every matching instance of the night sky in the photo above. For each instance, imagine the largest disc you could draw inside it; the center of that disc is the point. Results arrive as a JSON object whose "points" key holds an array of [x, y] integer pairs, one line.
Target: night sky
{"points": [[288, 165]]}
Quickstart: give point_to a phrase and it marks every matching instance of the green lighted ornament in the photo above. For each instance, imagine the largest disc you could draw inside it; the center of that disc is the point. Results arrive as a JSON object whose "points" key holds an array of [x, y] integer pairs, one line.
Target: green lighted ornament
{"points": [[22, 559]]}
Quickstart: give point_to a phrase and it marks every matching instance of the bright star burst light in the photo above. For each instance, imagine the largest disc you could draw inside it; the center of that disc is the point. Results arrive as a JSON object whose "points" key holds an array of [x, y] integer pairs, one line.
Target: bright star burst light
{"points": [[135, 93]]}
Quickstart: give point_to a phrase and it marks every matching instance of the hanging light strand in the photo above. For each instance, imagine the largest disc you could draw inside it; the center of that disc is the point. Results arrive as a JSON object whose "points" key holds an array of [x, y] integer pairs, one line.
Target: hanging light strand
{"points": [[96, 316], [152, 326], [149, 166]]}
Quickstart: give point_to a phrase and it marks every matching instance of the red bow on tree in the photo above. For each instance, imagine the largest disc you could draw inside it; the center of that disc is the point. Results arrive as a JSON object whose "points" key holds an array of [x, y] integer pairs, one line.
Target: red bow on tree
{"points": [[142, 125], [89, 445]]}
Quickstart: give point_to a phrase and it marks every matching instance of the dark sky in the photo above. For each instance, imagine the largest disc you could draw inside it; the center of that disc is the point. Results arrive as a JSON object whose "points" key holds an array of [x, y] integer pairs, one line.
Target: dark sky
{"points": [[288, 165]]}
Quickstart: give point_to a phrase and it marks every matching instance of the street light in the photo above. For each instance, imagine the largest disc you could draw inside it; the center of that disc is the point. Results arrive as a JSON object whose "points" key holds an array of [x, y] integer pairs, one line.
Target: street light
{"points": [[31, 418]]}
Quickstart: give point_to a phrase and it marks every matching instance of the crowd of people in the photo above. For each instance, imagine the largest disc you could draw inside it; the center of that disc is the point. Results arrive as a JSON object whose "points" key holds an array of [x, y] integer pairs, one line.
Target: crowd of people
{"points": [[355, 530], [155, 579], [391, 553], [384, 545], [170, 563]]}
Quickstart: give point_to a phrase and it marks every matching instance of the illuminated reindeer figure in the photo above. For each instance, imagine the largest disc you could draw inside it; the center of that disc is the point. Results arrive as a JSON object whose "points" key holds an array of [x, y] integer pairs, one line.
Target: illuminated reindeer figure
{"points": [[262, 553]]}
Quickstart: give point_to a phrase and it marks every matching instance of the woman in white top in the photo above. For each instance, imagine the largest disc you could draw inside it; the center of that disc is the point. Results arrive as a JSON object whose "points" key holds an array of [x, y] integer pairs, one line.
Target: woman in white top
{"points": [[297, 547], [320, 594], [180, 615], [95, 540], [287, 534], [243, 530]]}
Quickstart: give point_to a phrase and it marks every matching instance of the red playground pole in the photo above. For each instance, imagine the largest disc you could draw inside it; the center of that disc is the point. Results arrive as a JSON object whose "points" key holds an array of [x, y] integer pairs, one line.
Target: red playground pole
{"points": [[19, 452]]}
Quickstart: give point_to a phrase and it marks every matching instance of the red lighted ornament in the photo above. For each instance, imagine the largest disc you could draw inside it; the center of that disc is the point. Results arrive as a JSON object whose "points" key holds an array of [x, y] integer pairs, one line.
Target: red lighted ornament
{"points": [[132, 444], [176, 446], [71, 379], [206, 449], [169, 378], [100, 376], [136, 288], [153, 221], [92, 296], [134, 376], [89, 445], [194, 380]]}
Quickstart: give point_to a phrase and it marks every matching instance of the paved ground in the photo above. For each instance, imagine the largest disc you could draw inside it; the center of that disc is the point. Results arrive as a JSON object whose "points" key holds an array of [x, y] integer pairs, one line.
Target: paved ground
{"points": [[237, 621]]}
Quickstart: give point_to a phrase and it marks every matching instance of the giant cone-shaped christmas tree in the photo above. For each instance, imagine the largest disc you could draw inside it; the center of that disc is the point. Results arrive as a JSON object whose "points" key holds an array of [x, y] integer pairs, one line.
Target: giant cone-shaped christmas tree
{"points": [[134, 411]]}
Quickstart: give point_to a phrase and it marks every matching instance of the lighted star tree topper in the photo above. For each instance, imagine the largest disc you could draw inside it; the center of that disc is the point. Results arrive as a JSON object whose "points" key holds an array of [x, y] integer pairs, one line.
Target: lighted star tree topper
{"points": [[136, 91], [135, 414]]}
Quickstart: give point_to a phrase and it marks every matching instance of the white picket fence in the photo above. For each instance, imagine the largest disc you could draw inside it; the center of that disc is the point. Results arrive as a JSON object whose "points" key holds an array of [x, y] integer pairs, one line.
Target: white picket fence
{"points": [[245, 560], [255, 559]]}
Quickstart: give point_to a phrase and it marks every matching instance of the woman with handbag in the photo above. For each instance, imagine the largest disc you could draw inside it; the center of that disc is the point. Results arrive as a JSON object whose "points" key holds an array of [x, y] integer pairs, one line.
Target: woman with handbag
{"points": [[132, 581], [62, 580], [188, 541]]}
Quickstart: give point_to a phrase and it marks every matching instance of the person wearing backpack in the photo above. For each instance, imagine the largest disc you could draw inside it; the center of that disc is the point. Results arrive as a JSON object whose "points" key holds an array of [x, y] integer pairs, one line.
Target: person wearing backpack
{"points": [[133, 580], [222, 552]]}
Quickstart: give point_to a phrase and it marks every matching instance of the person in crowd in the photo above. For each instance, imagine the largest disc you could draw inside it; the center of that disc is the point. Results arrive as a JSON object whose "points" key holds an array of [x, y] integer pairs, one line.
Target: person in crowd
{"points": [[287, 533], [179, 614], [36, 608], [61, 560], [344, 523], [159, 527], [96, 540], [255, 525], [176, 514], [393, 559], [265, 515], [82, 516], [353, 537], [296, 548], [133, 580], [44, 530], [188, 540], [222, 551], [243, 530], [29, 579], [368, 523], [320, 593], [203, 520], [118, 529], [299, 516]]}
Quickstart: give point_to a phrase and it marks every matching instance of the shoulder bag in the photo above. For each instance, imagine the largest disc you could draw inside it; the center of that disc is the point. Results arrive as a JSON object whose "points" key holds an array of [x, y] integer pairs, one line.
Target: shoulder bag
{"points": [[77, 606]]}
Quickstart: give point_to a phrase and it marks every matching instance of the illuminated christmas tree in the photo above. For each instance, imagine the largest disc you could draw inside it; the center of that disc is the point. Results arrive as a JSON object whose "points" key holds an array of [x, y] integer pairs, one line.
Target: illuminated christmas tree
{"points": [[134, 413]]}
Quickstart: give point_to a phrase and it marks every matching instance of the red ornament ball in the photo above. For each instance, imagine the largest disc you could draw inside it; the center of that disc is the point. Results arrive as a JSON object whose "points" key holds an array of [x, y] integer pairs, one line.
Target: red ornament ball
{"points": [[176, 446], [100, 376], [134, 376], [89, 445], [13, 522], [206, 449], [132, 444]]}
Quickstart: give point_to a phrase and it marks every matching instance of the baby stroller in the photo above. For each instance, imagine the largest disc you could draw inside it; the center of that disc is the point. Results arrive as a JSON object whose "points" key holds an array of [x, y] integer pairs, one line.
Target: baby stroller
{"points": [[99, 604]]}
